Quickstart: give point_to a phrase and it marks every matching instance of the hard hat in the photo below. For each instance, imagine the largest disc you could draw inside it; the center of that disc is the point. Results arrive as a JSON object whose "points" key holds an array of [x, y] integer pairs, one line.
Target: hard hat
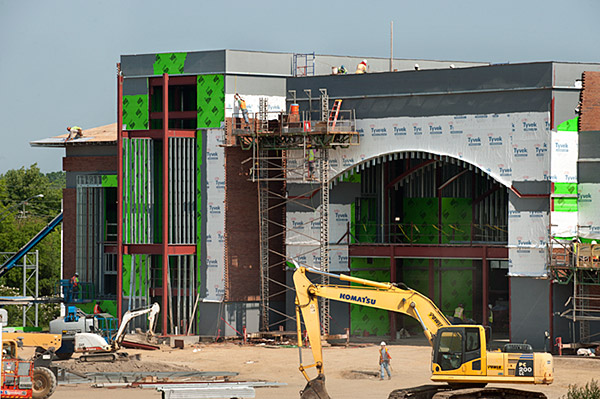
{"points": [[594, 242], [382, 343], [77, 274]]}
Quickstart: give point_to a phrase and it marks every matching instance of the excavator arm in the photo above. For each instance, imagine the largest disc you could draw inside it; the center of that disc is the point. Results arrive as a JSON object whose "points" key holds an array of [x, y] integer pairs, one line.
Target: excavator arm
{"points": [[378, 295], [132, 314]]}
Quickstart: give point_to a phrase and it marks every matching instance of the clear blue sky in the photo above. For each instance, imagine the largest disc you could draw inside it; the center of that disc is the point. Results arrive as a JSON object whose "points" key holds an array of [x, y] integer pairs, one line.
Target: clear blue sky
{"points": [[57, 57]]}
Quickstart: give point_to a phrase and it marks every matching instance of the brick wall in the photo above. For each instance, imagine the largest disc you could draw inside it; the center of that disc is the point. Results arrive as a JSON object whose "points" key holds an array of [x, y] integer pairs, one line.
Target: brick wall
{"points": [[241, 229], [90, 164], [590, 102], [69, 231]]}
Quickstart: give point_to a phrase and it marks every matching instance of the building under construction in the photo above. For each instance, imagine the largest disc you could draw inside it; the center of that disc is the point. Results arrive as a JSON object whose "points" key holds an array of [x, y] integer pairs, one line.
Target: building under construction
{"points": [[466, 181]]}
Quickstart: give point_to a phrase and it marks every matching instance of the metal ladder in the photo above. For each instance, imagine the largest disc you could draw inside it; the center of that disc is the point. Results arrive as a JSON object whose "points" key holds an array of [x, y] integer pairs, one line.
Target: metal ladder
{"points": [[324, 105], [333, 115], [324, 233], [263, 109], [263, 203]]}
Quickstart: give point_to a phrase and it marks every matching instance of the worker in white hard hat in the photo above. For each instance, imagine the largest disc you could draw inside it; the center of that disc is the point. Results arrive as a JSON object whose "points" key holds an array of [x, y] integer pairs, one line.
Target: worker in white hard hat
{"points": [[75, 132], [384, 361], [362, 67]]}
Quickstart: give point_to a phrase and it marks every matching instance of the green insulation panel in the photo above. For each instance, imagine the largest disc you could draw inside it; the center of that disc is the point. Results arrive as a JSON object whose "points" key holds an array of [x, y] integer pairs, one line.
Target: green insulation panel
{"points": [[365, 224], [109, 180], [564, 204], [107, 306], [171, 63], [457, 216], [420, 220], [569, 125], [135, 112], [210, 101], [365, 320], [136, 270], [565, 188], [457, 285]]}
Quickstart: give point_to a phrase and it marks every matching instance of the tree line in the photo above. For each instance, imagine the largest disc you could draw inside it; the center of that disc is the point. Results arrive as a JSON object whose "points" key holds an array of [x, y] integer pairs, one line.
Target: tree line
{"points": [[29, 200]]}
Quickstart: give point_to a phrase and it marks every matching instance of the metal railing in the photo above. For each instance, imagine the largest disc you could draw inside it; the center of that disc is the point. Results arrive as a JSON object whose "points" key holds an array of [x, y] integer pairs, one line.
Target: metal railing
{"points": [[425, 233]]}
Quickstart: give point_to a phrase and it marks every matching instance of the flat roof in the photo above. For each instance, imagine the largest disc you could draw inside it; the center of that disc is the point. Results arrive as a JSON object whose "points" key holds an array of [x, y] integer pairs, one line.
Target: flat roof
{"points": [[101, 135]]}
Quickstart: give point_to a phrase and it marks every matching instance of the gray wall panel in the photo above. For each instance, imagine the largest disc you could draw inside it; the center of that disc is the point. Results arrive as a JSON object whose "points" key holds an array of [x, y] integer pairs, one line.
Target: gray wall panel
{"points": [[344, 193], [377, 64], [588, 172], [498, 77], [589, 145], [205, 62], [529, 204], [562, 326], [532, 187], [138, 65], [135, 86], [255, 85], [565, 102], [529, 307], [258, 62], [448, 104], [565, 73]]}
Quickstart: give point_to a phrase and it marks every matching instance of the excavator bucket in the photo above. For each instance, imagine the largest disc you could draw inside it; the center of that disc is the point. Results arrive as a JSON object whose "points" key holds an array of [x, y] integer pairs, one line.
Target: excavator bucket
{"points": [[315, 389]]}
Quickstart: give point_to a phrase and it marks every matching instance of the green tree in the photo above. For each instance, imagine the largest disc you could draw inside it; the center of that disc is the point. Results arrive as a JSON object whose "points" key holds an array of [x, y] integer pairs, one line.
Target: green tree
{"points": [[23, 213]]}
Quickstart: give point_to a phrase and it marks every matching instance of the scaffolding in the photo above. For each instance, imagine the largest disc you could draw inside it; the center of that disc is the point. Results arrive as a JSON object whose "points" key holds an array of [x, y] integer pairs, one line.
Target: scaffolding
{"points": [[578, 264], [29, 265], [292, 148]]}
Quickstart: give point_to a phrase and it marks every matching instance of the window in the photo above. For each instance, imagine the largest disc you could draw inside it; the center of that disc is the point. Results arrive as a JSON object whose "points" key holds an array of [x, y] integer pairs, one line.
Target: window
{"points": [[449, 355]]}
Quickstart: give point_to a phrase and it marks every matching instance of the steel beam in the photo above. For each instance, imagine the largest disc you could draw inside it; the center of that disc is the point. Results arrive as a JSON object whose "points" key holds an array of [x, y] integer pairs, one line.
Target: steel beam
{"points": [[165, 199], [427, 251], [119, 246]]}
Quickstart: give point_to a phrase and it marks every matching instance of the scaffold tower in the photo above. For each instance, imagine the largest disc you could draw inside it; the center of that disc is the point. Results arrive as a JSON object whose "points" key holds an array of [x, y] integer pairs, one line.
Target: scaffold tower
{"points": [[291, 147], [578, 264]]}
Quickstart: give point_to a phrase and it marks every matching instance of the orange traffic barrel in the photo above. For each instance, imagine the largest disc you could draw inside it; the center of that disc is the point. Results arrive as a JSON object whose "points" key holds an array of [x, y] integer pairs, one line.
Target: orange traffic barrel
{"points": [[294, 109]]}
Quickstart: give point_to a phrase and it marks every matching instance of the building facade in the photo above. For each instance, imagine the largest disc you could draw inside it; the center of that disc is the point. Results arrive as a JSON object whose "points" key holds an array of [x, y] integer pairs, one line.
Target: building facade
{"points": [[462, 177]]}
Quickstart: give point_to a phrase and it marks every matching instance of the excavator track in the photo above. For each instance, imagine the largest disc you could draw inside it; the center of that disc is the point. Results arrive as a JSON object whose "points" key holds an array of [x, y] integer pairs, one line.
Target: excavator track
{"points": [[447, 392]]}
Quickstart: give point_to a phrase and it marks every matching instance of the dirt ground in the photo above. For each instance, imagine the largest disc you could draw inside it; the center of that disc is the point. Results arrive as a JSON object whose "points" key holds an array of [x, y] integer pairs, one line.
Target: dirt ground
{"points": [[410, 367]]}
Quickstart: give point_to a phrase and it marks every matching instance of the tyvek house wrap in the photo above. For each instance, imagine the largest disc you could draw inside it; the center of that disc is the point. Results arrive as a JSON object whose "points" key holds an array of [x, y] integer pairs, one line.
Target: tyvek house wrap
{"points": [[302, 237], [508, 147], [215, 215]]}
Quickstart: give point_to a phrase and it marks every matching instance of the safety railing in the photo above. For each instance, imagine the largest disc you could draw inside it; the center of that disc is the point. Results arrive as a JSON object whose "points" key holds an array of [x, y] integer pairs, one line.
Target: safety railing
{"points": [[82, 293], [425, 233]]}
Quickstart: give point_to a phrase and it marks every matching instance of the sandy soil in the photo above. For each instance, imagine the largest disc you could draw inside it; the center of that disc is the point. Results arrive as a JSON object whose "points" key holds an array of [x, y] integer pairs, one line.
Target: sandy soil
{"points": [[410, 367]]}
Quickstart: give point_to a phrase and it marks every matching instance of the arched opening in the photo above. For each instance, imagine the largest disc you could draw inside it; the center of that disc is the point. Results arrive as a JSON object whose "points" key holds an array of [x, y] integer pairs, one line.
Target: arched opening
{"points": [[435, 223]]}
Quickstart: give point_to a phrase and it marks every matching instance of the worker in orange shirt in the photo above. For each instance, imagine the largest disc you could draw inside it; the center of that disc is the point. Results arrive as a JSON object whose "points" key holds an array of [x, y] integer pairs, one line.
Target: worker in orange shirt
{"points": [[242, 105]]}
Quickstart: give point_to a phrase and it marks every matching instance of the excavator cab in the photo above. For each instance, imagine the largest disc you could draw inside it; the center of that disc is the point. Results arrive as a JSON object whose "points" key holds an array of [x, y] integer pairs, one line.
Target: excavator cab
{"points": [[459, 350]]}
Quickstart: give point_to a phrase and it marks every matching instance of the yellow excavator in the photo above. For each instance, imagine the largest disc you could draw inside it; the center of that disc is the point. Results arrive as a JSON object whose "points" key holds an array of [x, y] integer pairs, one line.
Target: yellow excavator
{"points": [[460, 358]]}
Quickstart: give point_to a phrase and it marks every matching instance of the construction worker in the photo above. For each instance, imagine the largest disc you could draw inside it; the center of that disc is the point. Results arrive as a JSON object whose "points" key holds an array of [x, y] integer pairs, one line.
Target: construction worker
{"points": [[362, 67], [459, 313], [75, 285], [75, 132], [342, 70], [97, 308], [384, 361], [311, 161], [242, 106], [490, 315]]}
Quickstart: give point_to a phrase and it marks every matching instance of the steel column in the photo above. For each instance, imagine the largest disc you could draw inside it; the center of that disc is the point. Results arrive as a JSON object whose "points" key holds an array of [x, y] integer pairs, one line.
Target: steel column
{"points": [[484, 284], [165, 204], [119, 193], [392, 315]]}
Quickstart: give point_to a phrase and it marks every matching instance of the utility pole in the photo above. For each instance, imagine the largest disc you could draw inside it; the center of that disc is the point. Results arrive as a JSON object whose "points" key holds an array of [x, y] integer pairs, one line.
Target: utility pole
{"points": [[391, 46]]}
